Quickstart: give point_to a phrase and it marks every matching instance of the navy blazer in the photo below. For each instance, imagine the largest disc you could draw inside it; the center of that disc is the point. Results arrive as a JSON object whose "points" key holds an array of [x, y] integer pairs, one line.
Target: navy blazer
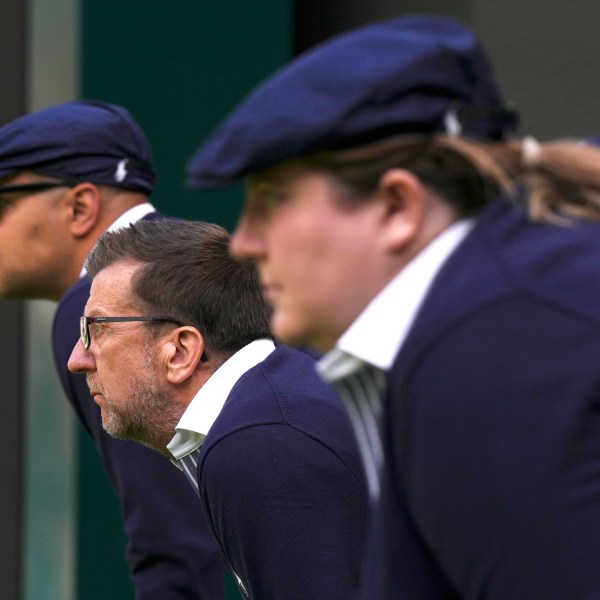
{"points": [[171, 552], [492, 424], [281, 481]]}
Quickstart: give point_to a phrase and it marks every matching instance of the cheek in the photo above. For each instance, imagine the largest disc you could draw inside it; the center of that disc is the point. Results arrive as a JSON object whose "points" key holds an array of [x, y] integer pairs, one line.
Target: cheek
{"points": [[300, 240], [19, 261], [11, 240], [109, 374], [29, 244], [324, 258]]}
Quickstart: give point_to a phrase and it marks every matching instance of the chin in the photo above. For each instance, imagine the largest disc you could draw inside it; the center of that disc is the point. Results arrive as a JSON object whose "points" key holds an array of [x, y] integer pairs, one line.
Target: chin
{"points": [[286, 330], [114, 426], [110, 428], [294, 333]]}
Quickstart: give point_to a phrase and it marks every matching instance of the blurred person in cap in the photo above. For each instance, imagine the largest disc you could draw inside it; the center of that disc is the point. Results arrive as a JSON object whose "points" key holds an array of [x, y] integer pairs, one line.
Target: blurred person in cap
{"points": [[397, 230], [67, 174], [265, 443]]}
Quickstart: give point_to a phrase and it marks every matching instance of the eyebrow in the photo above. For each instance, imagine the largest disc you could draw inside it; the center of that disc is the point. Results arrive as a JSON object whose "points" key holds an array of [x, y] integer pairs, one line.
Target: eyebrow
{"points": [[264, 185], [274, 176]]}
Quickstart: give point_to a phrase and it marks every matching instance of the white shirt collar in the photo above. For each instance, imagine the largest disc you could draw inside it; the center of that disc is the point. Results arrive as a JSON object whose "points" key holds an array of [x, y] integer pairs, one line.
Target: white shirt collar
{"points": [[370, 338], [134, 214], [206, 405]]}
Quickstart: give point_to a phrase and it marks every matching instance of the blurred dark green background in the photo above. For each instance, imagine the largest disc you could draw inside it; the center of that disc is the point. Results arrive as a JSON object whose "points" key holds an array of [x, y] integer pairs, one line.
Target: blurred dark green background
{"points": [[180, 66]]}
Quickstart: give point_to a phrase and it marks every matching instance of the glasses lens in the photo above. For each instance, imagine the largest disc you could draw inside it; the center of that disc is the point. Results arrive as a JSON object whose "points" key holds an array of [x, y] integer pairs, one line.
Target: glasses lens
{"points": [[84, 332]]}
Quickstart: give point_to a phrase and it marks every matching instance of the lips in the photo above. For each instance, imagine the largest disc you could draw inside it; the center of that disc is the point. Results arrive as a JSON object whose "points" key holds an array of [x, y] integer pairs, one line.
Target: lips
{"points": [[94, 391], [97, 398]]}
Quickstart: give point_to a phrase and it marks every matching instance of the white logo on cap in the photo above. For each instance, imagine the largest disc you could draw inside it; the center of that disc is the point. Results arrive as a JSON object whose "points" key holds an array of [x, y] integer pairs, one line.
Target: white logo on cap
{"points": [[121, 171], [452, 123]]}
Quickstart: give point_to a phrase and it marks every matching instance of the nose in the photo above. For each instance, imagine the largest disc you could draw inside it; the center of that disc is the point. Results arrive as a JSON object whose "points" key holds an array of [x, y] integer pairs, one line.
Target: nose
{"points": [[247, 240], [81, 361]]}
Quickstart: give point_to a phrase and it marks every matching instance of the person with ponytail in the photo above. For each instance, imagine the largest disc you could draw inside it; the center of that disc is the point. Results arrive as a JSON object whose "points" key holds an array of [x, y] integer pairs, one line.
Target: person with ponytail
{"points": [[450, 276]]}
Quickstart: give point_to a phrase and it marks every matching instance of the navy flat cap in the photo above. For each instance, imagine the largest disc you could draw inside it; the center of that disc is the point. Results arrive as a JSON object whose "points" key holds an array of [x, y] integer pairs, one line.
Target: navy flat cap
{"points": [[80, 141], [407, 75]]}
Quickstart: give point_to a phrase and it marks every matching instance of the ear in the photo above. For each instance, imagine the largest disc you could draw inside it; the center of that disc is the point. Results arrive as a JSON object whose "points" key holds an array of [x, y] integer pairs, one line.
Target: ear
{"points": [[84, 208], [181, 353], [403, 196]]}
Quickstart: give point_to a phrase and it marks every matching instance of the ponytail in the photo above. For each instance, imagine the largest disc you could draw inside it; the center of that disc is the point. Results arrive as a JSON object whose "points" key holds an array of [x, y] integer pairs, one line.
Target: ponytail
{"points": [[562, 178]]}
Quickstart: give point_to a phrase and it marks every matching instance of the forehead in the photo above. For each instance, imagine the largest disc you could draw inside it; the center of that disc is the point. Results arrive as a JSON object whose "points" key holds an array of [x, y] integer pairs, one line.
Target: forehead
{"points": [[301, 178], [111, 289]]}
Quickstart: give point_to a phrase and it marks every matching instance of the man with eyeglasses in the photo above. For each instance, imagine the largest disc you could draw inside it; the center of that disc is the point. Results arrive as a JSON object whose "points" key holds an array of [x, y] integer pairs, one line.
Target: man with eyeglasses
{"points": [[67, 174], [177, 351]]}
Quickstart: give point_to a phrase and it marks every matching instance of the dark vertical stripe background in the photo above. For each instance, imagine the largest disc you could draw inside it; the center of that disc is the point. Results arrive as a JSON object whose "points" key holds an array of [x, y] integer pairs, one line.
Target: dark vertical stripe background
{"points": [[12, 400]]}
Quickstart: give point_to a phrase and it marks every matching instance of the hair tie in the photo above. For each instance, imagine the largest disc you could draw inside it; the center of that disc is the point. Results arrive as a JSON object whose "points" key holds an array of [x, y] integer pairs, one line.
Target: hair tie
{"points": [[531, 152]]}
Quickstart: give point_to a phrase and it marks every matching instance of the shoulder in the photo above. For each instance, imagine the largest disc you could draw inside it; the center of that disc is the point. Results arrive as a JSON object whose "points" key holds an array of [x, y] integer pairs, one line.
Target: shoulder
{"points": [[287, 382], [269, 459], [506, 268], [292, 371], [155, 216], [530, 253], [283, 398]]}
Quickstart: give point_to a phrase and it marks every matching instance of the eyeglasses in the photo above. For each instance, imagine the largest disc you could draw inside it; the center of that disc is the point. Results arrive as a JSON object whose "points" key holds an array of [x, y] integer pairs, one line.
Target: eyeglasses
{"points": [[30, 188], [85, 322]]}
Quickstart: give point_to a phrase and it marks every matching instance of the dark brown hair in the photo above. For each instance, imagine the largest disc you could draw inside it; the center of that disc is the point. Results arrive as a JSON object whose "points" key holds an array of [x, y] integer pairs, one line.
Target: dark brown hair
{"points": [[187, 273]]}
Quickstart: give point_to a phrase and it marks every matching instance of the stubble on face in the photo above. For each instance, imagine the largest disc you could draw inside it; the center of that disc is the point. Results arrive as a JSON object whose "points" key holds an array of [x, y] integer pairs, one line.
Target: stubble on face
{"points": [[147, 415]]}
